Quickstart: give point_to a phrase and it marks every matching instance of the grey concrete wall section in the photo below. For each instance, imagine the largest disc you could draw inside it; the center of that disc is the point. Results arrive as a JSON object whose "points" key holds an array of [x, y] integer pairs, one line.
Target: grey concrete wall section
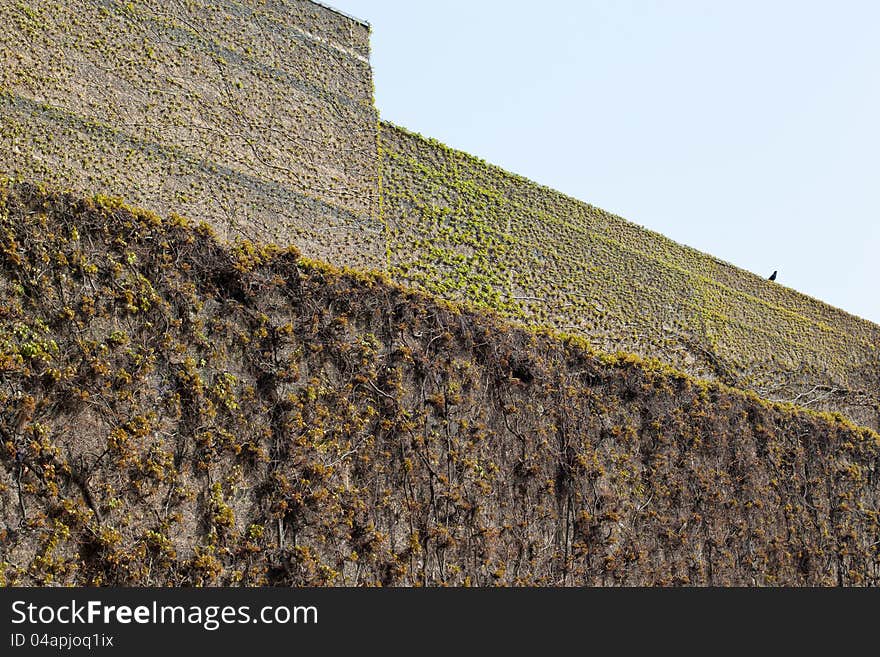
{"points": [[257, 117]]}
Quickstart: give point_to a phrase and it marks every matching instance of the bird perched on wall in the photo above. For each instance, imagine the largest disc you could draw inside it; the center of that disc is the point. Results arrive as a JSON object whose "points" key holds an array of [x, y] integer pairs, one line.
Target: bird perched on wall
{"points": [[773, 276]]}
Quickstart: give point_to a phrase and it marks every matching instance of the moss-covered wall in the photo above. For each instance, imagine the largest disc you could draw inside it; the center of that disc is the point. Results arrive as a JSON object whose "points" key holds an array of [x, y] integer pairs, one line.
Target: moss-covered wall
{"points": [[174, 411], [464, 229], [256, 116]]}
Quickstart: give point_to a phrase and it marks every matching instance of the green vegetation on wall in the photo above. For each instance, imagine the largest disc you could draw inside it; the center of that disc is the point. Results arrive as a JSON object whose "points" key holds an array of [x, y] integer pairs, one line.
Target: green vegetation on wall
{"points": [[246, 416], [257, 117], [463, 229]]}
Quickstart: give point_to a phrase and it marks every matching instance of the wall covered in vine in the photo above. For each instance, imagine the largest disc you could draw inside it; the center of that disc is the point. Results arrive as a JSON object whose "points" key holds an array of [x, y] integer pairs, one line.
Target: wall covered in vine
{"points": [[177, 411], [464, 229], [255, 116], [258, 118]]}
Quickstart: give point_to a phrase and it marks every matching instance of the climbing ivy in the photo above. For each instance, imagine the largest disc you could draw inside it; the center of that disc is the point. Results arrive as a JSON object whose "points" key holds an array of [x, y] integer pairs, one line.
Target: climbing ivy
{"points": [[176, 411]]}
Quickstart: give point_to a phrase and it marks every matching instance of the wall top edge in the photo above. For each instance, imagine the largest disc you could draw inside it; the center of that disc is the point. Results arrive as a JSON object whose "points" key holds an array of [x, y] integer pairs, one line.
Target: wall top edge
{"points": [[341, 13], [871, 325]]}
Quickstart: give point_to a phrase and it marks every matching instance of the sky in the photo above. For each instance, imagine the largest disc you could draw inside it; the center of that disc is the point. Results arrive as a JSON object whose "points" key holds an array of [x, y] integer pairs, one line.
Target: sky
{"points": [[746, 129]]}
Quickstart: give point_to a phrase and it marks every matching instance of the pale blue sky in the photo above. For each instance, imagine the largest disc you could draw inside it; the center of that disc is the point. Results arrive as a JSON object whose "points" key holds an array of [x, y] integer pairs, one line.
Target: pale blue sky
{"points": [[749, 130]]}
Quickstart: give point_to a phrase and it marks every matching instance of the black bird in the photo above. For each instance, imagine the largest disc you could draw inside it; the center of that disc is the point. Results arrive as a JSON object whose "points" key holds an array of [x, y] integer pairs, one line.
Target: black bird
{"points": [[773, 276]]}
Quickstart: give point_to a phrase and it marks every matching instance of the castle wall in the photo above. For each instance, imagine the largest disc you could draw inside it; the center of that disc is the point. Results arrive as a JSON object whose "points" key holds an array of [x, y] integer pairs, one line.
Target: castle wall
{"points": [[256, 117]]}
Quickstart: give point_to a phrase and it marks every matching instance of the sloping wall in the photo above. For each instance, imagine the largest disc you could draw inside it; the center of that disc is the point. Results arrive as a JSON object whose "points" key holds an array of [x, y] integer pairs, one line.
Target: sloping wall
{"points": [[464, 229], [258, 118]]}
